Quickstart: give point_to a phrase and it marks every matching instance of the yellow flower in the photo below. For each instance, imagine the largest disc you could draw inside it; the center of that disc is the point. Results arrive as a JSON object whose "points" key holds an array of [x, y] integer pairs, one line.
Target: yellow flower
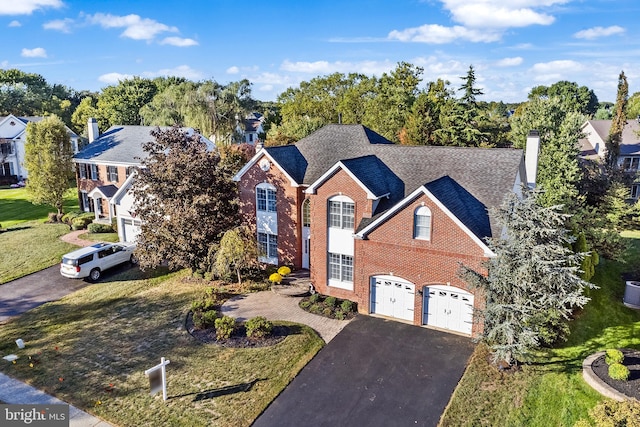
{"points": [[284, 270], [275, 278]]}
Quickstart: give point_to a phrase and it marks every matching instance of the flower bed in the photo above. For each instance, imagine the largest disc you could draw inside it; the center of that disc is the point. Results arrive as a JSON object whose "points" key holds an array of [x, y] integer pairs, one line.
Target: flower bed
{"points": [[328, 306], [631, 387]]}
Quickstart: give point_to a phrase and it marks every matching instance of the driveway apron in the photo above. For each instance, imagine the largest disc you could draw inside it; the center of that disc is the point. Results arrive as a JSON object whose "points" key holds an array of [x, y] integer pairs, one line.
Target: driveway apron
{"points": [[375, 372]]}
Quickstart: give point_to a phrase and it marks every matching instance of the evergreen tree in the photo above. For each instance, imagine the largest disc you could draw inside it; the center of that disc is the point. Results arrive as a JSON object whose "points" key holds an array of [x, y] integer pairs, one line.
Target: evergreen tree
{"points": [[532, 284], [618, 123], [185, 200], [48, 155]]}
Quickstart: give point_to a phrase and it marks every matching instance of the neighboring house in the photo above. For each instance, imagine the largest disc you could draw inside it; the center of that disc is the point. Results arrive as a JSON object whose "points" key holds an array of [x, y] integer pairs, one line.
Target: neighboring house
{"points": [[384, 225], [593, 146], [12, 139], [105, 170], [253, 128]]}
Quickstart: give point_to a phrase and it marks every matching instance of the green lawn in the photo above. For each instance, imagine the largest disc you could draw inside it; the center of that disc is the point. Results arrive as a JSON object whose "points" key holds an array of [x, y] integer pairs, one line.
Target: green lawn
{"points": [[28, 245], [91, 349], [550, 391], [99, 237], [15, 207]]}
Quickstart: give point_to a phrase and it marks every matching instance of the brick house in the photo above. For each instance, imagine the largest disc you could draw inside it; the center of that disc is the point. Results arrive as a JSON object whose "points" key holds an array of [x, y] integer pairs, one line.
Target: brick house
{"points": [[105, 170], [383, 225]]}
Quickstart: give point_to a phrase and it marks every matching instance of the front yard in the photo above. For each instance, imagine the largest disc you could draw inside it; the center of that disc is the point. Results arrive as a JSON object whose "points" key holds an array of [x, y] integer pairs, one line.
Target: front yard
{"points": [[550, 391], [91, 349]]}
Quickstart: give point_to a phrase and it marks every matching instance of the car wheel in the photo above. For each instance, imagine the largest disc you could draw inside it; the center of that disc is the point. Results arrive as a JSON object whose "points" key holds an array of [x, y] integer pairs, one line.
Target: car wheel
{"points": [[133, 260], [94, 275]]}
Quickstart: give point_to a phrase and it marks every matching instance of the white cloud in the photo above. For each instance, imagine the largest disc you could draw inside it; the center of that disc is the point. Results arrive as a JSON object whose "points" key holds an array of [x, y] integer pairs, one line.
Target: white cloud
{"points": [[179, 41], [482, 21], [510, 62], [265, 88], [557, 66], [326, 67], [27, 7], [37, 52], [114, 78], [438, 34], [135, 27], [233, 70], [597, 32], [13, 24], [62, 25]]}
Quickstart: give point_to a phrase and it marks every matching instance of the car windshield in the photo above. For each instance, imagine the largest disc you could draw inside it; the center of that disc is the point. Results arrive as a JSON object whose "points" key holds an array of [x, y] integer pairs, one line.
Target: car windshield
{"points": [[69, 261]]}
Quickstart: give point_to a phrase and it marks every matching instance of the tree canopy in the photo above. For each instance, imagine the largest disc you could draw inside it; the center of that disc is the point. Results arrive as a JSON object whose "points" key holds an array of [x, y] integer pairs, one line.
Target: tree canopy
{"points": [[186, 201], [48, 155], [533, 282]]}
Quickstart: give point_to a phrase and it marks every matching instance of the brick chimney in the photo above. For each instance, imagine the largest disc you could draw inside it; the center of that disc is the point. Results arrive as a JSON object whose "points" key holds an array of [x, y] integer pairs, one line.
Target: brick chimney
{"points": [[531, 157], [92, 129]]}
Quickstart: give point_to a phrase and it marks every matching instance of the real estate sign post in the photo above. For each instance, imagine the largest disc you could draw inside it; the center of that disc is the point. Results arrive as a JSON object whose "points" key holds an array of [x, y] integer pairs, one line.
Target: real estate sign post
{"points": [[158, 378]]}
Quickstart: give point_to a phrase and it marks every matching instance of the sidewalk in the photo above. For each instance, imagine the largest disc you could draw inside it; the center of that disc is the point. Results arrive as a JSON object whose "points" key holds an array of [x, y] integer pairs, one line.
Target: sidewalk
{"points": [[279, 307], [14, 391]]}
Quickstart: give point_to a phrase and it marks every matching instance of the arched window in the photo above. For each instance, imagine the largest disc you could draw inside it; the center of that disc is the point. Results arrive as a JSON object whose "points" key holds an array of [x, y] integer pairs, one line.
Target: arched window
{"points": [[422, 223], [266, 197], [306, 213]]}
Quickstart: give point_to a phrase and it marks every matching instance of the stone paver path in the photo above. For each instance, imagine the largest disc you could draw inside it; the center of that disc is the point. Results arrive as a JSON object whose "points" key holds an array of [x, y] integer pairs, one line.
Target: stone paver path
{"points": [[280, 307], [72, 238]]}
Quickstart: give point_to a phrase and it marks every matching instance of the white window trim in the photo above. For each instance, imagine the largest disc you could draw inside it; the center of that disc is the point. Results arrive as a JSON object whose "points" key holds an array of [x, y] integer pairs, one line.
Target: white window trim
{"points": [[268, 259], [422, 211], [342, 200], [269, 189], [340, 283]]}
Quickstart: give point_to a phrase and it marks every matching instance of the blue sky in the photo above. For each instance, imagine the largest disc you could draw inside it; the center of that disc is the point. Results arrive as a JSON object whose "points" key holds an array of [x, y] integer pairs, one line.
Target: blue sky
{"points": [[513, 45]]}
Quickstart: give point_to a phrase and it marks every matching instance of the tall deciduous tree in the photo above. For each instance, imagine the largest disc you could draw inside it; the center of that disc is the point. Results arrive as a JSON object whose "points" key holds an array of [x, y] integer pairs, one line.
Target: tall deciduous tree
{"points": [[572, 97], [120, 104], [184, 199], [533, 282], [48, 154]]}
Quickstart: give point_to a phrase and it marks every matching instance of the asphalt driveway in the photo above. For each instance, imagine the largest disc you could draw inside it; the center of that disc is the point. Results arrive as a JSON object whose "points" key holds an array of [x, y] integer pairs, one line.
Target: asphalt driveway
{"points": [[375, 372], [46, 285]]}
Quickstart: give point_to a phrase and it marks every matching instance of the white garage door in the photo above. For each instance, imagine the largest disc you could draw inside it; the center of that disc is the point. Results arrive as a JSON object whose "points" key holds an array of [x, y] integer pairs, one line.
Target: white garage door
{"points": [[130, 229], [393, 297], [448, 308]]}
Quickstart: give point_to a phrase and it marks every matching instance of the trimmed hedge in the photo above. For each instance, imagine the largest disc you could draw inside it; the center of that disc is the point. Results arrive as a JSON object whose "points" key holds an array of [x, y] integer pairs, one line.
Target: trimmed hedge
{"points": [[258, 327], [613, 355], [618, 371], [95, 227]]}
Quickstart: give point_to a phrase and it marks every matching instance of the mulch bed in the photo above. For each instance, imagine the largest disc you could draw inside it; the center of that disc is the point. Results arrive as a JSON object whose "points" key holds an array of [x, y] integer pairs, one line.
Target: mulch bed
{"points": [[239, 338], [631, 387]]}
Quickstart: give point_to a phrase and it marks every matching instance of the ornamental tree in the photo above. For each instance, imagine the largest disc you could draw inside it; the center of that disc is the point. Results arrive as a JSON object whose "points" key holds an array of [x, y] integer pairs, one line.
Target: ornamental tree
{"points": [[47, 157], [185, 199], [533, 282]]}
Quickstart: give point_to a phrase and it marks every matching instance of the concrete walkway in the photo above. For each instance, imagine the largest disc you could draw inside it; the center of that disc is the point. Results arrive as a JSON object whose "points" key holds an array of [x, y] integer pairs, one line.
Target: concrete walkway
{"points": [[279, 307], [16, 392]]}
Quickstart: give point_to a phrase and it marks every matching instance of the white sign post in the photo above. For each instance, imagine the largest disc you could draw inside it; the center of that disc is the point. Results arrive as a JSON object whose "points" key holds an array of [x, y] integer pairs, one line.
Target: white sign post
{"points": [[158, 378]]}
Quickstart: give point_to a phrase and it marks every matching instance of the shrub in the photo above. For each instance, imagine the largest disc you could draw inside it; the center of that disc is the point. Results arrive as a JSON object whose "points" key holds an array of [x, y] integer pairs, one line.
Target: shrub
{"points": [[81, 222], [284, 270], [612, 356], [315, 308], [613, 413], [114, 224], [618, 371], [70, 216], [330, 301], [339, 314], [94, 227], [275, 278], [314, 298], [305, 304], [258, 327], [225, 326], [198, 321], [327, 311], [209, 318], [197, 305], [346, 306]]}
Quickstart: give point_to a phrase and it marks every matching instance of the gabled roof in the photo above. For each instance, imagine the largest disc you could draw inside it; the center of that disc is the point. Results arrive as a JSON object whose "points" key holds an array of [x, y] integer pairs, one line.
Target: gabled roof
{"points": [[485, 174], [121, 145], [124, 188], [373, 176], [108, 191], [468, 214], [630, 144], [34, 119]]}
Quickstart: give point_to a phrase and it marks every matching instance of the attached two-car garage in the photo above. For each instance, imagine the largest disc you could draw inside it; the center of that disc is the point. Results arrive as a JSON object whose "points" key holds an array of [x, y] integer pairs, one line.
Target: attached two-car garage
{"points": [[445, 307]]}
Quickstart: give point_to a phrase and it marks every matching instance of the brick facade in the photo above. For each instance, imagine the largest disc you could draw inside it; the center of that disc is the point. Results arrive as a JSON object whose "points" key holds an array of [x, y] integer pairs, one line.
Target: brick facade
{"points": [[87, 184]]}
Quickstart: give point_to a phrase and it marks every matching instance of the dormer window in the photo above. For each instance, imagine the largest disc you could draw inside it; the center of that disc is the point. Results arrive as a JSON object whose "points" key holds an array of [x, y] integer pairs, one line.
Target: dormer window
{"points": [[422, 223]]}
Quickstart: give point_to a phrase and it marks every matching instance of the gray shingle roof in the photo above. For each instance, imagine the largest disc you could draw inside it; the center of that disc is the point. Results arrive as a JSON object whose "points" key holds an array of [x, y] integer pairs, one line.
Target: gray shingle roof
{"points": [[375, 175], [630, 144], [119, 144], [477, 178]]}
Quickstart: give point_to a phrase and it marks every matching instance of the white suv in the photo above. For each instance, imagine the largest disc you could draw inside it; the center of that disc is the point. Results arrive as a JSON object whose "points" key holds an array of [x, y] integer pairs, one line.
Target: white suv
{"points": [[93, 260]]}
